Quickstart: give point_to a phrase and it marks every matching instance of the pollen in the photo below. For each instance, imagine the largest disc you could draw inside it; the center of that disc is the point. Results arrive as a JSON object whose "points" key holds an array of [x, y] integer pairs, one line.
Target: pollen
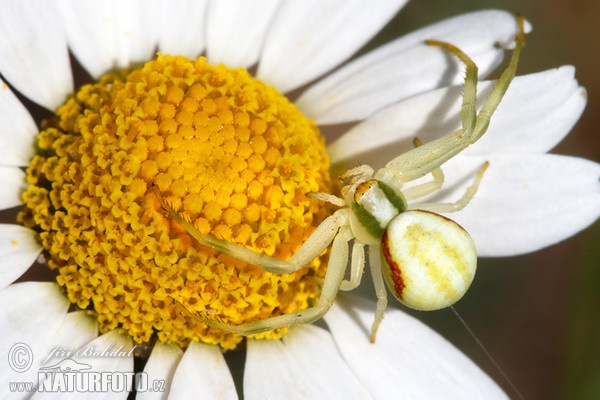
{"points": [[232, 155]]}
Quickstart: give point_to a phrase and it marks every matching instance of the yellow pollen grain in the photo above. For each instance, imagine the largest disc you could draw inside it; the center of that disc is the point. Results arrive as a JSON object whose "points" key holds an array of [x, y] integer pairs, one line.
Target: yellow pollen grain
{"points": [[226, 151]]}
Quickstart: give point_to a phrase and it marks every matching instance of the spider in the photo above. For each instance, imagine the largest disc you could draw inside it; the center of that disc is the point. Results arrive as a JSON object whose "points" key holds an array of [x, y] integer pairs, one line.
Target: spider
{"points": [[427, 261]]}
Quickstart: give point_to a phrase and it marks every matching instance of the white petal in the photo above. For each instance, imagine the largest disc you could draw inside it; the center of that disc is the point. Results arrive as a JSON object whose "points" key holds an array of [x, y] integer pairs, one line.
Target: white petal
{"points": [[118, 363], [17, 130], [107, 34], [12, 181], [31, 315], [236, 30], [309, 37], [33, 55], [78, 328], [90, 31], [407, 66], [408, 359], [182, 27], [161, 366], [536, 114], [305, 364], [147, 27], [19, 249], [202, 370], [524, 202]]}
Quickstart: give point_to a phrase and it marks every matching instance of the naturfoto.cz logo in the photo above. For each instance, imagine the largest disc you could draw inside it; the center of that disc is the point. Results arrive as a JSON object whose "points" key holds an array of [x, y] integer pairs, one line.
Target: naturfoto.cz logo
{"points": [[70, 375]]}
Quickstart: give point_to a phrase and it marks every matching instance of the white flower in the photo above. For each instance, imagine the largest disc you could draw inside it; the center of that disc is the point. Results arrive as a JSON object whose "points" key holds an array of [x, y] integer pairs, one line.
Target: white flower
{"points": [[526, 201]]}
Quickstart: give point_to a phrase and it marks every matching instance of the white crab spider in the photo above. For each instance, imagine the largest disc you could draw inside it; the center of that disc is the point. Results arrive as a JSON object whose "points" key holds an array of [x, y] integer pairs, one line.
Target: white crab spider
{"points": [[427, 261]]}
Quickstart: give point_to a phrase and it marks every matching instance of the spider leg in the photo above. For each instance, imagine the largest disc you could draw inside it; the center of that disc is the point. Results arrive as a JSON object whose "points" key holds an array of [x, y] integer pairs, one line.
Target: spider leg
{"points": [[430, 156], [331, 284], [486, 112], [424, 159], [327, 198], [425, 188], [380, 291], [316, 243], [357, 266], [460, 203]]}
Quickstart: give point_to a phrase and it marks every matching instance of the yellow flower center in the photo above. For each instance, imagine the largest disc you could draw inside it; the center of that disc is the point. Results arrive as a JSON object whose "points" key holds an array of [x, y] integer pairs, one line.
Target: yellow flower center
{"points": [[230, 153]]}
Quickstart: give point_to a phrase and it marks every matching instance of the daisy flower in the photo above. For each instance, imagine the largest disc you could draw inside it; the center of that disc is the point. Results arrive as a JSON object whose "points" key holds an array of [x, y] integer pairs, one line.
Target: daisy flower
{"points": [[236, 158]]}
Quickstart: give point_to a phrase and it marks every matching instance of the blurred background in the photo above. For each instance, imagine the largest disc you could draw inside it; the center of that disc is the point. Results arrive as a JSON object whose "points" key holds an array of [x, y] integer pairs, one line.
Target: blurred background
{"points": [[538, 315]]}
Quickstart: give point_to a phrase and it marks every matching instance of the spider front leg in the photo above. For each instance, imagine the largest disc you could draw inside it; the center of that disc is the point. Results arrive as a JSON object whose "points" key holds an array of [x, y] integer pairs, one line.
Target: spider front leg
{"points": [[334, 276], [317, 242], [424, 159], [424, 189]]}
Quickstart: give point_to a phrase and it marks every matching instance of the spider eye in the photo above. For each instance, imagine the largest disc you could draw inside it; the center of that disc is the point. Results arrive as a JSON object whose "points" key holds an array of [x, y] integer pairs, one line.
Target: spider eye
{"points": [[429, 261]]}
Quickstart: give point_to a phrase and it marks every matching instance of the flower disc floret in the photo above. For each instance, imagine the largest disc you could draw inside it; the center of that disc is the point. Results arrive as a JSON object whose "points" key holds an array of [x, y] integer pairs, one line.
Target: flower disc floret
{"points": [[230, 153]]}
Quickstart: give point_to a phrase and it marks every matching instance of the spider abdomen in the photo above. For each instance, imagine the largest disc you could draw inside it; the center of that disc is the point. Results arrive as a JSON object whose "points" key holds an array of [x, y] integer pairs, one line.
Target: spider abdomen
{"points": [[430, 260]]}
